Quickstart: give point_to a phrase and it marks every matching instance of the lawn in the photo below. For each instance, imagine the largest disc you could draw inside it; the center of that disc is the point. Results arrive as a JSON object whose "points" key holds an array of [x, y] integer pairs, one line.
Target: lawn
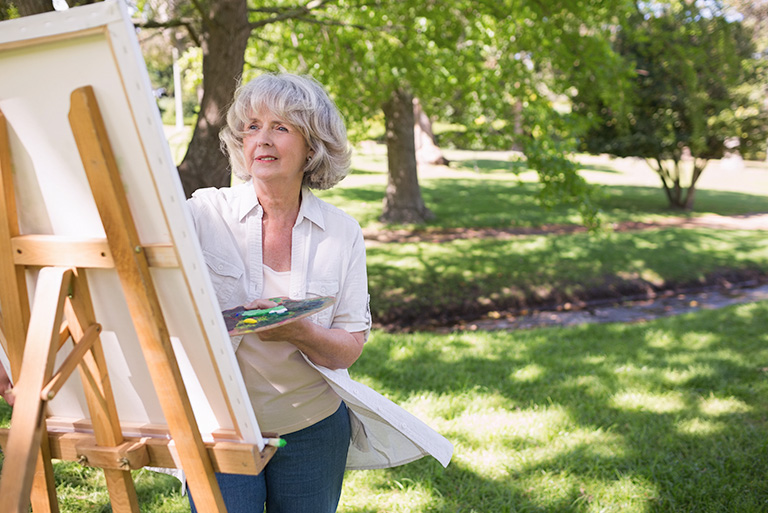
{"points": [[662, 416], [479, 190], [421, 282], [668, 415]]}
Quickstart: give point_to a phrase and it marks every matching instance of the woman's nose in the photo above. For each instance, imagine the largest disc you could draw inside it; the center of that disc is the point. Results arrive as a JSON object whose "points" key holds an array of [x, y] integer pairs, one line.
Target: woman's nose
{"points": [[263, 139]]}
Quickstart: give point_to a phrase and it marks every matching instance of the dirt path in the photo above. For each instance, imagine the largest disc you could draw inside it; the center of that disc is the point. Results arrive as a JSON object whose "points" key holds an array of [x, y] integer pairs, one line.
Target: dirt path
{"points": [[756, 221], [631, 311]]}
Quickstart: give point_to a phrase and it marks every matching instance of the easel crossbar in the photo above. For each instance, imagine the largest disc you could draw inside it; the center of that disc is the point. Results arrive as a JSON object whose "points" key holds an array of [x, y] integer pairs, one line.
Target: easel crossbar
{"points": [[137, 452], [72, 361], [52, 250]]}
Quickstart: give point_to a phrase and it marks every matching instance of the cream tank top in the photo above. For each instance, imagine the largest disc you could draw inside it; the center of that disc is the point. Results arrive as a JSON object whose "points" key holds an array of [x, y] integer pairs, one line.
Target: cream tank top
{"points": [[286, 393]]}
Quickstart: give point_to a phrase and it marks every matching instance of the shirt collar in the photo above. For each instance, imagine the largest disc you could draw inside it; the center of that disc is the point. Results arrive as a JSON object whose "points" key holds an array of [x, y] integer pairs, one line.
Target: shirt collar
{"points": [[247, 200], [310, 208], [310, 204]]}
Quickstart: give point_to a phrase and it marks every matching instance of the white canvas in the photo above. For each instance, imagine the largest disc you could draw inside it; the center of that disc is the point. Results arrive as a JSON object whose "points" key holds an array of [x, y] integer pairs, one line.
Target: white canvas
{"points": [[42, 60]]}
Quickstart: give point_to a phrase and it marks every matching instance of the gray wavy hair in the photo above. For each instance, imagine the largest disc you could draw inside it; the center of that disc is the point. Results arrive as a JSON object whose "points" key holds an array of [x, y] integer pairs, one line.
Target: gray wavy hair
{"points": [[302, 102]]}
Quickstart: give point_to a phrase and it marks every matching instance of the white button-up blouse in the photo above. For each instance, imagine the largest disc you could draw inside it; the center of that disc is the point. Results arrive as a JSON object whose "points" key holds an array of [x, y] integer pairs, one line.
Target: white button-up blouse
{"points": [[327, 259]]}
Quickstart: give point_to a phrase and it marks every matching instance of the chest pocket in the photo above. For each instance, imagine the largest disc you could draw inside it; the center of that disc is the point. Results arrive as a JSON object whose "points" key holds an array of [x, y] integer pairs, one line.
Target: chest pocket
{"points": [[225, 277], [323, 288]]}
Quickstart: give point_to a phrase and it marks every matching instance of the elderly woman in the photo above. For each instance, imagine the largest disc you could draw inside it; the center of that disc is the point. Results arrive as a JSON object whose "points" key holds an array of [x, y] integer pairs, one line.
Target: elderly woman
{"points": [[271, 237]]}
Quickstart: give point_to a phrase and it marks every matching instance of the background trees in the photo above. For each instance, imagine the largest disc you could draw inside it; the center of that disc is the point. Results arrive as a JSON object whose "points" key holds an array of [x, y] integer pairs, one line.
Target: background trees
{"points": [[493, 66], [507, 71], [497, 67], [696, 94]]}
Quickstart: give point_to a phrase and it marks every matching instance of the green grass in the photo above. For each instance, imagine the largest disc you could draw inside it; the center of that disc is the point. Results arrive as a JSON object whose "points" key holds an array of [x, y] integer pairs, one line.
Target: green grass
{"points": [[431, 280], [412, 280], [668, 415], [490, 196], [663, 416]]}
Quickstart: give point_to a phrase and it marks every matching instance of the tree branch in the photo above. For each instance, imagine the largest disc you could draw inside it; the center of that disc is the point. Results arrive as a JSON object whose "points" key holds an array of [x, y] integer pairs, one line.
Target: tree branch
{"points": [[334, 23], [172, 23], [288, 13]]}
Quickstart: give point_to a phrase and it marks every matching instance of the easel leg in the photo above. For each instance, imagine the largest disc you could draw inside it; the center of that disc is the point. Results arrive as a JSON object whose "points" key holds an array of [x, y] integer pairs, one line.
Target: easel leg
{"points": [[43, 494], [15, 306], [25, 436], [133, 270], [98, 391]]}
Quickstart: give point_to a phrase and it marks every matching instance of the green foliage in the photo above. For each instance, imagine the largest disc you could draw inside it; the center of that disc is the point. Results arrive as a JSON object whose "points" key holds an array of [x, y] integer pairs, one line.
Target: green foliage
{"points": [[506, 70], [697, 87], [8, 10], [493, 67]]}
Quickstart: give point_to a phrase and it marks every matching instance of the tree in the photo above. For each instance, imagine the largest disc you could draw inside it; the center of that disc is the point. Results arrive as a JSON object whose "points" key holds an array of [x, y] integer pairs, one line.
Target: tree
{"points": [[222, 29], [755, 14], [9, 8], [427, 149], [693, 92], [473, 62], [403, 202]]}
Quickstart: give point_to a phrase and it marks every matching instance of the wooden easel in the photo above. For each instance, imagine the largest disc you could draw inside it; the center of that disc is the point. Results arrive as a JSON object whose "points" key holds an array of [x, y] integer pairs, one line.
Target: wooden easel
{"points": [[63, 310]]}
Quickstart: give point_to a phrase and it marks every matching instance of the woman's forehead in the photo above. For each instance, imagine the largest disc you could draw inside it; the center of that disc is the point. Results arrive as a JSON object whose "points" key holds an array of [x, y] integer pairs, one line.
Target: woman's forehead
{"points": [[265, 115]]}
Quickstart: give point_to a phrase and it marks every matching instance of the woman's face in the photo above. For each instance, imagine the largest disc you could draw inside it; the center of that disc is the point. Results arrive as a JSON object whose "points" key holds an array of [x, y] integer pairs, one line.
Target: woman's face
{"points": [[273, 149]]}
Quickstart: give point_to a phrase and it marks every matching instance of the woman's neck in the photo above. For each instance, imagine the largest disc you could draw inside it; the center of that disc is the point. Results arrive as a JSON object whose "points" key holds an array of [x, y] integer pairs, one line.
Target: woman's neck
{"points": [[279, 217], [279, 202]]}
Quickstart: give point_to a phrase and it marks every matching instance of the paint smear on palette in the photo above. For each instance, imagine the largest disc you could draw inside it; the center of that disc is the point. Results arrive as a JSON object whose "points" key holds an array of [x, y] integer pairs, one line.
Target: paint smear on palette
{"points": [[241, 320]]}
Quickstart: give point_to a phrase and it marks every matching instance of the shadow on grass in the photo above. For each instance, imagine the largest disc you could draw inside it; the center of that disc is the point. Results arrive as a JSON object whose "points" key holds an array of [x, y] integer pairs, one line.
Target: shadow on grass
{"points": [[458, 488], [492, 203], [438, 282], [682, 398], [599, 168], [369, 172], [489, 166]]}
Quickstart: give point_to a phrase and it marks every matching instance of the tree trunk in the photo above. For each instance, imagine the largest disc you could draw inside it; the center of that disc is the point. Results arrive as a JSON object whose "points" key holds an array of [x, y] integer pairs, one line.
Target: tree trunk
{"points": [[30, 7], [698, 168], [427, 150], [224, 42], [670, 181], [517, 114], [403, 202]]}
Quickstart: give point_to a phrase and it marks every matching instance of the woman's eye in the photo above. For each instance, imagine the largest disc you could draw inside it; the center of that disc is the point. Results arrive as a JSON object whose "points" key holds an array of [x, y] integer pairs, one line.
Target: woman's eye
{"points": [[282, 128], [253, 126]]}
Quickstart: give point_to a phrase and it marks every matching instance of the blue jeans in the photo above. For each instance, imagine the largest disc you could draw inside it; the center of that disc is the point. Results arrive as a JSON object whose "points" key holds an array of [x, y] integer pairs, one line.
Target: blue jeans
{"points": [[305, 476]]}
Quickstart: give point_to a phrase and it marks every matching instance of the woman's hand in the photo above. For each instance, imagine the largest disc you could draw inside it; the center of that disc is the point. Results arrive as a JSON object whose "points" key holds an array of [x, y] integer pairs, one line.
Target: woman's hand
{"points": [[329, 347], [6, 389]]}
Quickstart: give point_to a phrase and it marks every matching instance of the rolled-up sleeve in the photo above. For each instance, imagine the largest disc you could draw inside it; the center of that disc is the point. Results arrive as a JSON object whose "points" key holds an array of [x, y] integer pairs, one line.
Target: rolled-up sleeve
{"points": [[353, 313]]}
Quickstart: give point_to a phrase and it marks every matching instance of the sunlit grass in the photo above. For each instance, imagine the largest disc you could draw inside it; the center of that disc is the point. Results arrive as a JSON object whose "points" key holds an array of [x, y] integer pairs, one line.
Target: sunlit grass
{"points": [[478, 190], [625, 418], [663, 416]]}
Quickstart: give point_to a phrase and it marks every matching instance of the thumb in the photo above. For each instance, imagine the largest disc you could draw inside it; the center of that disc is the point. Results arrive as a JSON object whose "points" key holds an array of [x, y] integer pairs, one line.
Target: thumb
{"points": [[260, 303]]}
